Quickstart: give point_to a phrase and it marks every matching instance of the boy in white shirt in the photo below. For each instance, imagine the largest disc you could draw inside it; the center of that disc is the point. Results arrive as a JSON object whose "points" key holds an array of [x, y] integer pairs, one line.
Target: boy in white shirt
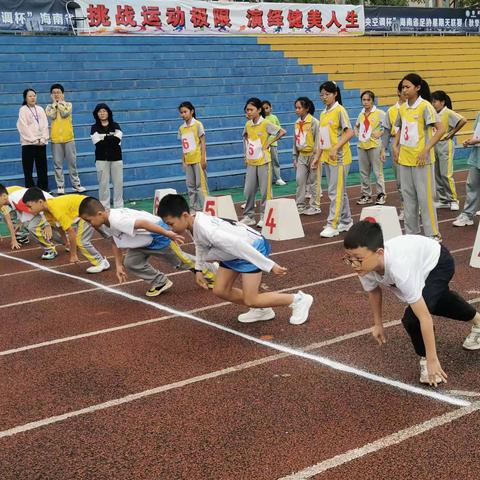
{"points": [[241, 251], [142, 235], [418, 270]]}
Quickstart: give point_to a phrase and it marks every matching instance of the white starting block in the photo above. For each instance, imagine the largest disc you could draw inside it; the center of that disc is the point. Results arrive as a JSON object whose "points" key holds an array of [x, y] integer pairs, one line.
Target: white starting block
{"points": [[159, 194], [475, 258], [222, 207], [282, 221], [387, 217]]}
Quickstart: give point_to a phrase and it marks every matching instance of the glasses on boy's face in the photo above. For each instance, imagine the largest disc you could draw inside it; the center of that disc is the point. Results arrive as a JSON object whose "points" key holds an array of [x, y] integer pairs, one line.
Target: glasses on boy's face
{"points": [[355, 262]]}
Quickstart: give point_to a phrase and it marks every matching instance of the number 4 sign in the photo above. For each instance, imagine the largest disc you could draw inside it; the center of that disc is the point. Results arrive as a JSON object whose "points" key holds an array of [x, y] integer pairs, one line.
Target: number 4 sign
{"points": [[282, 221]]}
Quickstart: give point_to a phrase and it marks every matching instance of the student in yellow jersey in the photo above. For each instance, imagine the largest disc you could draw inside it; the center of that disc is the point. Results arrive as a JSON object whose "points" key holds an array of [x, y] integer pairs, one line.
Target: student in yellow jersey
{"points": [[258, 135], [64, 210], [304, 142], [333, 150], [413, 150], [194, 159], [368, 130], [445, 150], [389, 132]]}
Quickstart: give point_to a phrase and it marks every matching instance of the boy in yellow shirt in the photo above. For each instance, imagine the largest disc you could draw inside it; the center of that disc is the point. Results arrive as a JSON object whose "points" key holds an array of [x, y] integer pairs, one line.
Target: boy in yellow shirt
{"points": [[63, 142], [64, 210]]}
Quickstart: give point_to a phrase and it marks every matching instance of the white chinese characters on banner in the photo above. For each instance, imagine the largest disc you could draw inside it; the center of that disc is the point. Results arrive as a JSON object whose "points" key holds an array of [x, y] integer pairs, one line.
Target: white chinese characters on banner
{"points": [[199, 17]]}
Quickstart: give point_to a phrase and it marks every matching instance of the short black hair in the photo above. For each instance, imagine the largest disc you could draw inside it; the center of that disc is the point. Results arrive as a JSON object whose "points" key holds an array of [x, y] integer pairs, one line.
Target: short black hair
{"points": [[172, 205], [90, 206], [57, 85], [366, 233], [33, 194], [3, 190], [266, 102]]}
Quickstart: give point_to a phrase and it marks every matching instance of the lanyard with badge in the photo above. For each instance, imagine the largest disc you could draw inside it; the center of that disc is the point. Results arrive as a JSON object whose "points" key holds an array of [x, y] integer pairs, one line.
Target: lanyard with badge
{"points": [[36, 117]]}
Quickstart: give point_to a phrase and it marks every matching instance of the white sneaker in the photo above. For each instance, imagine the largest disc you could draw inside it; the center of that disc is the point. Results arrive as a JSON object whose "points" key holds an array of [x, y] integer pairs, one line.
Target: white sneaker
{"points": [[248, 221], [462, 220], [345, 227], [477, 213], [103, 265], [329, 232], [256, 315], [280, 182], [243, 205], [424, 373], [312, 211], [260, 223], [80, 189], [401, 215], [441, 205], [300, 308], [472, 342], [454, 206], [61, 191]]}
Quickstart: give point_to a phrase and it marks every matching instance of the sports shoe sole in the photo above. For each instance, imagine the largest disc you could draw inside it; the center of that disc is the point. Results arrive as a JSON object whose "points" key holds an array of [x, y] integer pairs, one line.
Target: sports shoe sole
{"points": [[165, 287], [270, 316]]}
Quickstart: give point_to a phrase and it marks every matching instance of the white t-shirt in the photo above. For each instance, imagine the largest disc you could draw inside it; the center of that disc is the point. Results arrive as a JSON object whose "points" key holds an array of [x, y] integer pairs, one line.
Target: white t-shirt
{"points": [[125, 235], [223, 240], [409, 259]]}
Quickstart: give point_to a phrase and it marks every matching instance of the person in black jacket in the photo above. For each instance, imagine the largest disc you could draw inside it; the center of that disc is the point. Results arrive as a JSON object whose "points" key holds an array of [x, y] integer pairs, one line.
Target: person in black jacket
{"points": [[107, 136]]}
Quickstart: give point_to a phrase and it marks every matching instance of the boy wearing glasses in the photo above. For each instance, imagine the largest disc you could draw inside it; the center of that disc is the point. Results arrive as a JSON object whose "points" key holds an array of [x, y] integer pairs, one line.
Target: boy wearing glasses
{"points": [[418, 270]]}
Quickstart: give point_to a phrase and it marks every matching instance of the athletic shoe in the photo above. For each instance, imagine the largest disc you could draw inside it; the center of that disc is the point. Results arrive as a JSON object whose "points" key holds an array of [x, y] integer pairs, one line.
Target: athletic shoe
{"points": [[381, 199], [256, 315], [49, 255], [22, 239], [301, 211], [401, 215], [329, 232], [462, 220], [441, 205], [312, 211], [424, 373], [280, 182], [248, 221], [454, 206], [345, 227], [103, 265], [243, 205], [300, 308], [472, 342], [260, 223], [154, 291], [364, 199], [477, 213], [61, 191], [80, 189]]}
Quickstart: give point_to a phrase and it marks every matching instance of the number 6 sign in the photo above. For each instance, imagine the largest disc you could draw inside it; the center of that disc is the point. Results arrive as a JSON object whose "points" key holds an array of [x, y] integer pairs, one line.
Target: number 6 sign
{"points": [[282, 221]]}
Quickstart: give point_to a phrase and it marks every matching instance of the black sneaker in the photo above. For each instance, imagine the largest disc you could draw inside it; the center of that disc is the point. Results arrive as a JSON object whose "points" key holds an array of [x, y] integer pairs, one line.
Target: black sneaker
{"points": [[154, 291], [22, 240], [364, 199], [381, 199]]}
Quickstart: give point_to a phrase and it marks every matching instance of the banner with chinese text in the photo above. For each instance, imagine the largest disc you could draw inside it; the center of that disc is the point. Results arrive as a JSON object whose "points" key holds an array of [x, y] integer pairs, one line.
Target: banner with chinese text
{"points": [[199, 17], [34, 16]]}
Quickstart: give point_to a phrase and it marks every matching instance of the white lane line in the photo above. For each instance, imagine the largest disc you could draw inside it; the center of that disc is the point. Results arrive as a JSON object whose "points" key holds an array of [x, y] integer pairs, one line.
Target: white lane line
{"points": [[265, 343], [463, 393], [384, 442], [182, 383]]}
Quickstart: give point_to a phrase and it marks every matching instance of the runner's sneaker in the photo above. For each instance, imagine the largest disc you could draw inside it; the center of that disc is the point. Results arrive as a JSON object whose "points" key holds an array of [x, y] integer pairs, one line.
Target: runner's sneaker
{"points": [[79, 189], [438, 238], [441, 205], [462, 220], [280, 182], [424, 373], [381, 199], [49, 255], [345, 227], [312, 211], [248, 221], [103, 265], [454, 206], [60, 190], [256, 315], [22, 239], [329, 232], [300, 308], [472, 342], [154, 291], [364, 199], [243, 205], [477, 213], [260, 223]]}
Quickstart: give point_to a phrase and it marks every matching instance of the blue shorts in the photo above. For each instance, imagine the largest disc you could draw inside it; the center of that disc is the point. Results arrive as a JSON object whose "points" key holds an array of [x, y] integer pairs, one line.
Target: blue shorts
{"points": [[243, 266]]}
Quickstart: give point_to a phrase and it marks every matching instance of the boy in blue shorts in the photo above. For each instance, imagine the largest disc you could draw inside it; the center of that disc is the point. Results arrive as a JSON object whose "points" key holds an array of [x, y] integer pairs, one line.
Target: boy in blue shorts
{"points": [[418, 270], [142, 235], [242, 252]]}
